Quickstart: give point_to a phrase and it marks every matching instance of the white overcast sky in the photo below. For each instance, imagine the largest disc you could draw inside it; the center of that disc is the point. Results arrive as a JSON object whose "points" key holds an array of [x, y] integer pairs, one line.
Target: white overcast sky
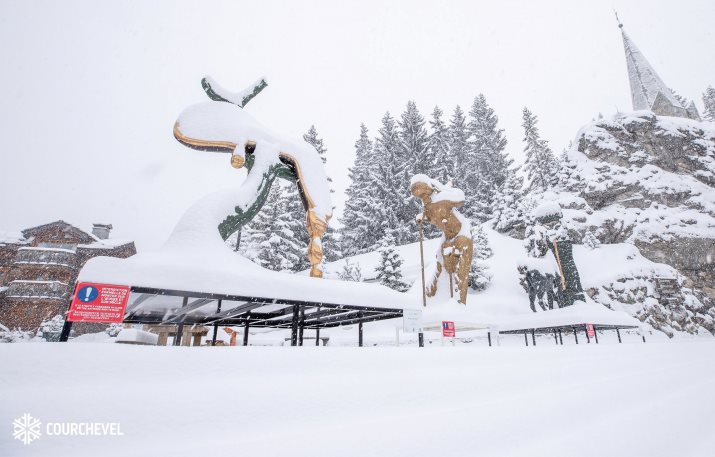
{"points": [[90, 90]]}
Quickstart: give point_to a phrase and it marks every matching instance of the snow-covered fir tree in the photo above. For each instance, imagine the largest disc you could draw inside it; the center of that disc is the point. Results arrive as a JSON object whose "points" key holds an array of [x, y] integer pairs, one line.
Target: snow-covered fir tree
{"points": [[479, 274], [709, 102], [540, 165], [292, 223], [486, 160], [417, 154], [535, 240], [458, 146], [351, 272], [331, 247], [389, 271], [391, 185], [360, 225], [414, 141], [270, 239], [507, 205], [590, 240], [443, 165]]}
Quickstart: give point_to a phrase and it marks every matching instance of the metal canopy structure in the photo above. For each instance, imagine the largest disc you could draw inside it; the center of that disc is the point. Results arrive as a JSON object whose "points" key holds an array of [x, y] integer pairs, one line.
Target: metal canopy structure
{"points": [[574, 328], [162, 306]]}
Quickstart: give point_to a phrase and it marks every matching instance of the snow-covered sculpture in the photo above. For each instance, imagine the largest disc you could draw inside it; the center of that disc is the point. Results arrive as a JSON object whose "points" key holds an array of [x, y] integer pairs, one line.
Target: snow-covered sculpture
{"points": [[455, 253], [543, 235], [222, 125]]}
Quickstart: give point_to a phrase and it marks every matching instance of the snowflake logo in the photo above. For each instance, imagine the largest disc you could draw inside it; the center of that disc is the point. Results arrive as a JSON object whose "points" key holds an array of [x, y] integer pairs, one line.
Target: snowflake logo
{"points": [[26, 429]]}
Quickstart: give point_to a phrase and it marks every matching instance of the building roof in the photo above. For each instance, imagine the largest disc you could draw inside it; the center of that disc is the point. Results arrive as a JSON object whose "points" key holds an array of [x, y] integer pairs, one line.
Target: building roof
{"points": [[34, 231]]}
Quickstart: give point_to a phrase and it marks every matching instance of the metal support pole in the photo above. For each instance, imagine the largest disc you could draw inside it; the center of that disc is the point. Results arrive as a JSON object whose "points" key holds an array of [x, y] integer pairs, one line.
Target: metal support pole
{"points": [[66, 329], [317, 330], [300, 327], [575, 334], [421, 339], [533, 336], [595, 334], [246, 327], [422, 268], [556, 338], [619, 335], [360, 334], [526, 340], [643, 336], [561, 339], [294, 327], [179, 333], [213, 338], [588, 339], [489, 337]]}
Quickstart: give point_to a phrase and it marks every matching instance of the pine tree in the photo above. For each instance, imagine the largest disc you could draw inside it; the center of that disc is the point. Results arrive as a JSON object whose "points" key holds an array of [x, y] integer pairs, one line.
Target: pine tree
{"points": [[389, 271], [459, 147], [479, 274], [271, 239], [540, 166], [443, 165], [486, 160], [709, 102], [417, 156], [488, 141], [507, 212], [291, 222], [360, 226], [390, 186], [331, 246], [414, 141], [590, 240]]}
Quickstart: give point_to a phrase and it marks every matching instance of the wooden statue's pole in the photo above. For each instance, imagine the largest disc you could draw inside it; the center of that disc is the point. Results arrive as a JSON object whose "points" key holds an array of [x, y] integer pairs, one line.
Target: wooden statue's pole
{"points": [[422, 265]]}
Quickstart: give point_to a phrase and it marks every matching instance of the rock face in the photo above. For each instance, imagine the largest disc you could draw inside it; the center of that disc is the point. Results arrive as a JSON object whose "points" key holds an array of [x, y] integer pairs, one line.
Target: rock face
{"points": [[649, 181]]}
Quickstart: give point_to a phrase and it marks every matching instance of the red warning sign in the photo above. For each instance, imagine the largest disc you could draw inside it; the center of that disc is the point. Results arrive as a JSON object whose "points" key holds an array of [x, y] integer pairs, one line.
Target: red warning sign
{"points": [[448, 329], [99, 303], [590, 331]]}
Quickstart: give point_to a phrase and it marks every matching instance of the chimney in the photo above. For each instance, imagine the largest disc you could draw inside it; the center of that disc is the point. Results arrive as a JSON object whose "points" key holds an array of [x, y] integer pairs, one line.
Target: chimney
{"points": [[101, 231]]}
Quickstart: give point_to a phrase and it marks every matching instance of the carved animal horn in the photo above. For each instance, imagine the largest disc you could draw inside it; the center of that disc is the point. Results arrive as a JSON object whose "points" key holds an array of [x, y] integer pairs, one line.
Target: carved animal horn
{"points": [[217, 93]]}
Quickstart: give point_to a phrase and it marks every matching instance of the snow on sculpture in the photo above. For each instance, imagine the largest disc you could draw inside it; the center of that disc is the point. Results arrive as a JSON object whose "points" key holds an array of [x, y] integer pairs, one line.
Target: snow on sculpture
{"points": [[221, 125], [455, 252]]}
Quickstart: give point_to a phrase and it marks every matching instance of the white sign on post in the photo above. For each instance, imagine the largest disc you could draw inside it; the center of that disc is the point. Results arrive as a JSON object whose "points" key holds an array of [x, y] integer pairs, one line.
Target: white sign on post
{"points": [[412, 320]]}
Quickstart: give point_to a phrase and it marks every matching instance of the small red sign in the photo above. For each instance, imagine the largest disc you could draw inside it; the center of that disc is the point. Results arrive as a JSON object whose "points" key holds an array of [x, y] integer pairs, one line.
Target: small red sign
{"points": [[590, 331], [448, 329], [99, 303]]}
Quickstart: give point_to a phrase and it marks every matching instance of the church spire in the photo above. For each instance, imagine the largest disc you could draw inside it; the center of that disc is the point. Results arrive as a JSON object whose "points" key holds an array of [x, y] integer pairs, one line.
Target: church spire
{"points": [[648, 91]]}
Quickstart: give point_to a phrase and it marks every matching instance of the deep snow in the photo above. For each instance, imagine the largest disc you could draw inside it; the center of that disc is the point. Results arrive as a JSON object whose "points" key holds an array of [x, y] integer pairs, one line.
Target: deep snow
{"points": [[633, 399]]}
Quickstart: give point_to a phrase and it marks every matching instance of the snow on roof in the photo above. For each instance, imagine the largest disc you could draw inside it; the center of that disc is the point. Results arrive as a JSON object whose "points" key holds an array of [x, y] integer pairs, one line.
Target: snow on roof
{"points": [[108, 243], [221, 271], [40, 248], [11, 238]]}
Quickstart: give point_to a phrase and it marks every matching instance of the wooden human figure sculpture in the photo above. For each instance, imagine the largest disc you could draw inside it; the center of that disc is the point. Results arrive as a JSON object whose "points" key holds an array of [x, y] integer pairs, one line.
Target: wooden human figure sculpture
{"points": [[455, 253]]}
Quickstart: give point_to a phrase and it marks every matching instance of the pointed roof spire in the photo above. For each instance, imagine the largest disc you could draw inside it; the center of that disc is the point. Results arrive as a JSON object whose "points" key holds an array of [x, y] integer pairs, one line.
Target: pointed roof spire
{"points": [[645, 82]]}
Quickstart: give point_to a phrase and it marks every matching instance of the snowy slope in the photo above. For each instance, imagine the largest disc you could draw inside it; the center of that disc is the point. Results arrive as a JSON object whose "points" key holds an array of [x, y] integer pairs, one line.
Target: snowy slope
{"points": [[587, 400], [504, 303]]}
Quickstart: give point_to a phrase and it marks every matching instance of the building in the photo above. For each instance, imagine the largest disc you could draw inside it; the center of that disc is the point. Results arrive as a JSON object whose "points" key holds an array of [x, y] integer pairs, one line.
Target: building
{"points": [[39, 267], [648, 91]]}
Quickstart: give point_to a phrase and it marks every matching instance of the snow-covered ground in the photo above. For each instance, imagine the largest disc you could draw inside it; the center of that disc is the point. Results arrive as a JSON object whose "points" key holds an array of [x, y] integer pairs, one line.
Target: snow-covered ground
{"points": [[633, 399]]}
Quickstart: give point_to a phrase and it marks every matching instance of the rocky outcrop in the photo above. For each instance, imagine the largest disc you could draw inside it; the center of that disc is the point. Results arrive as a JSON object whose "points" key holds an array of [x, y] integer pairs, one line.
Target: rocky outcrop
{"points": [[649, 181]]}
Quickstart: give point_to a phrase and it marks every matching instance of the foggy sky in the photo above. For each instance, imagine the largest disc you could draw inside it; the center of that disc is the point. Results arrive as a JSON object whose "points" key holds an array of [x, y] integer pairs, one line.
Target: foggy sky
{"points": [[91, 90]]}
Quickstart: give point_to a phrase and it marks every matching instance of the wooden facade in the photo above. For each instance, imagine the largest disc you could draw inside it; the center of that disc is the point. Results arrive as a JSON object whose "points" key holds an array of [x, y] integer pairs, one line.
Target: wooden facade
{"points": [[39, 270]]}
